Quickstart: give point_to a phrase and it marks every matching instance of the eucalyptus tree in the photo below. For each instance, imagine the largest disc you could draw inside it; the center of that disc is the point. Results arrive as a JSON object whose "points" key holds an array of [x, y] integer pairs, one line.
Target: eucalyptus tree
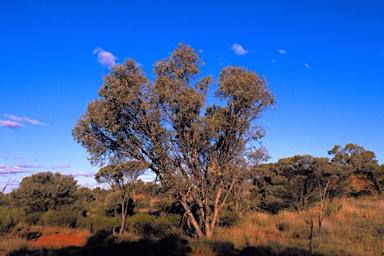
{"points": [[293, 182], [169, 126], [356, 159]]}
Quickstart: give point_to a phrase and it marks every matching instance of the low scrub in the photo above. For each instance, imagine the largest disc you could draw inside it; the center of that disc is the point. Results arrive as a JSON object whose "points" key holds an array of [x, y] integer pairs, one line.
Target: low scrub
{"points": [[148, 226], [65, 217], [9, 218]]}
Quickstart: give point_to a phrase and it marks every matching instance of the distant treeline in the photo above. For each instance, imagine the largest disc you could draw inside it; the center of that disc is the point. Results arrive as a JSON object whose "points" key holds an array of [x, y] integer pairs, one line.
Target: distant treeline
{"points": [[148, 209]]}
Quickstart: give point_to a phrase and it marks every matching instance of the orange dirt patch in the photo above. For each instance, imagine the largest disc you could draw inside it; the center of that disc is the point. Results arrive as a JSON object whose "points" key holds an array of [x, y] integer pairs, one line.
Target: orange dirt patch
{"points": [[57, 241]]}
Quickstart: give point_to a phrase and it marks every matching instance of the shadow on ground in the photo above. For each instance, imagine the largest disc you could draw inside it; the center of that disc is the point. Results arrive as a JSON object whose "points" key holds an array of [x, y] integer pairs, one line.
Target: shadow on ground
{"points": [[101, 244]]}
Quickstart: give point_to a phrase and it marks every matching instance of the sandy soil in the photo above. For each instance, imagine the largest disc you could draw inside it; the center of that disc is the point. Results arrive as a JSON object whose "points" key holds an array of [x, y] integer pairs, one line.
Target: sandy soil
{"points": [[57, 241]]}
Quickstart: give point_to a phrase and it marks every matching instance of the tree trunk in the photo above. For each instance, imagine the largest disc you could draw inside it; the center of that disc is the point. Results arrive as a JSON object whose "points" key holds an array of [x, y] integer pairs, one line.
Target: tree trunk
{"points": [[311, 235], [123, 216], [192, 219], [323, 197]]}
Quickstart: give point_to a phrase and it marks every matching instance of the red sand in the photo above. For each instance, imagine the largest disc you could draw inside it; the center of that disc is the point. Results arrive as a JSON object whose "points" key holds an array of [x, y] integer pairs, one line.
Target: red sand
{"points": [[57, 241]]}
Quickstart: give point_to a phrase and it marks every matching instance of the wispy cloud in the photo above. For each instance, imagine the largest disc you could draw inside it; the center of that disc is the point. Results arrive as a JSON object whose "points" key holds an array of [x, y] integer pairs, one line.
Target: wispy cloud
{"points": [[15, 121], [10, 124], [60, 167], [307, 66], [14, 118], [105, 58], [32, 121], [29, 166], [273, 61], [77, 174], [238, 49], [282, 51], [6, 169]]}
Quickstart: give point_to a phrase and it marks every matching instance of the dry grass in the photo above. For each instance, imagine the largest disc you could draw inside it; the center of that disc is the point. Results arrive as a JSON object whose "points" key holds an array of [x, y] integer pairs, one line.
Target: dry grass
{"points": [[350, 227], [8, 244]]}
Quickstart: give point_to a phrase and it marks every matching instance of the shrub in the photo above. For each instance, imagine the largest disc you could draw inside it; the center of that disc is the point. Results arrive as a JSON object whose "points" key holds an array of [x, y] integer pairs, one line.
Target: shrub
{"points": [[333, 209], [143, 203], [229, 219], [174, 219], [32, 218], [9, 218], [100, 222], [147, 226], [64, 217]]}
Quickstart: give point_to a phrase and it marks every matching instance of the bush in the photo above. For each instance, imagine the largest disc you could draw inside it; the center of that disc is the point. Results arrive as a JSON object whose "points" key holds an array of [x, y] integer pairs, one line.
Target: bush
{"points": [[9, 218], [64, 217], [32, 218], [332, 209], [143, 203], [229, 219], [100, 222], [147, 226]]}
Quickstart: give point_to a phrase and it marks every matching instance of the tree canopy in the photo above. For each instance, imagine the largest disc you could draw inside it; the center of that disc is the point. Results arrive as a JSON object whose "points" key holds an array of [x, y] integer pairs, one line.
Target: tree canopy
{"points": [[46, 190], [196, 149]]}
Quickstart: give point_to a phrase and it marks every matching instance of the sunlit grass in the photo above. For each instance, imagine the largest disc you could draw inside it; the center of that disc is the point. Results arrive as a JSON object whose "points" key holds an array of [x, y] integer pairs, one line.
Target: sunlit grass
{"points": [[350, 227]]}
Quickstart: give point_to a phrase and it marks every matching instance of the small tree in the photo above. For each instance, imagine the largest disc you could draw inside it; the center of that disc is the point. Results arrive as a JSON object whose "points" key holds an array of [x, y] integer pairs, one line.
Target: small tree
{"points": [[45, 191], [122, 178], [355, 159], [169, 126]]}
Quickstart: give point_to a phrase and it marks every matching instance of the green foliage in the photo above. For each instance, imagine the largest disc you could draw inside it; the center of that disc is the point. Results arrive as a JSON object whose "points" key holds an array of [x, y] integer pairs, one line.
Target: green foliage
{"points": [[32, 218], [143, 203], [65, 217], [102, 222], [147, 226], [333, 209], [356, 159], [229, 219], [162, 204], [9, 218], [168, 127], [45, 191]]}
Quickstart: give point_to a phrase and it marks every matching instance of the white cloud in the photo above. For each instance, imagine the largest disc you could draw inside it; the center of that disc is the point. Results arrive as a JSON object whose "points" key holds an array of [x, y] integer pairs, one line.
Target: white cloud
{"points": [[77, 174], [15, 121], [6, 169], [105, 58], [238, 49], [282, 51], [29, 166], [307, 66], [32, 121], [14, 118], [60, 167], [10, 124]]}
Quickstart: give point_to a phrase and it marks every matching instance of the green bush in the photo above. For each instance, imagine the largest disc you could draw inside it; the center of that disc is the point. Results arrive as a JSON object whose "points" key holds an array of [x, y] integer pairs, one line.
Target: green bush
{"points": [[147, 226], [333, 209], [32, 218], [162, 204], [174, 220], [229, 219], [100, 222], [64, 217], [9, 218], [143, 204]]}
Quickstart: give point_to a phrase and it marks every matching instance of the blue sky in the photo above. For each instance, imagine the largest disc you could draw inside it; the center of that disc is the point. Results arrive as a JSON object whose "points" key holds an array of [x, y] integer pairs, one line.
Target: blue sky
{"points": [[324, 61]]}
